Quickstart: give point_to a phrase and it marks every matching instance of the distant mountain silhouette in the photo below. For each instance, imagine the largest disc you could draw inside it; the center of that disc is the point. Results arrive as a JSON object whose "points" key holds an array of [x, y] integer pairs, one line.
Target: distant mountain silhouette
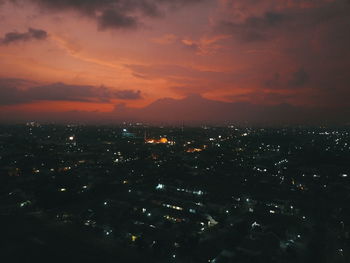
{"points": [[194, 109]]}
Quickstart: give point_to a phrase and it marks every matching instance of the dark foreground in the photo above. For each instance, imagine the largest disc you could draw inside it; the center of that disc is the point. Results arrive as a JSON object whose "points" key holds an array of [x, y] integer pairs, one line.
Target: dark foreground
{"points": [[156, 194]]}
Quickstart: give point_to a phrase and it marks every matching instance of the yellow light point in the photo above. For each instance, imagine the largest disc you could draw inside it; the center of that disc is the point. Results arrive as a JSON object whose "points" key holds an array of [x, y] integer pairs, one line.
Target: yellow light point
{"points": [[133, 238], [163, 140]]}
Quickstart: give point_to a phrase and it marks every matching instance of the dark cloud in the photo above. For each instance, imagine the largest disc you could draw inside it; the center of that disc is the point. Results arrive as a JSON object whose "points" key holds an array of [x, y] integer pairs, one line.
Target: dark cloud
{"points": [[32, 33], [299, 78], [253, 28], [128, 94], [114, 19], [274, 82], [294, 17], [115, 14], [17, 83], [12, 93]]}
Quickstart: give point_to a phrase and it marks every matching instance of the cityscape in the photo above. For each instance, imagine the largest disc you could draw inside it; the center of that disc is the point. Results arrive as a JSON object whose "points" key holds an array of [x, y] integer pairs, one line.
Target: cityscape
{"points": [[174, 131], [140, 193]]}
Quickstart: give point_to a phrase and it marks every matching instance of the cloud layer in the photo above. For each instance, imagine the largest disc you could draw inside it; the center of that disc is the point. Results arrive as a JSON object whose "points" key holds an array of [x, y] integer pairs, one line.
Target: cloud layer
{"points": [[266, 53], [12, 94], [116, 14], [31, 34]]}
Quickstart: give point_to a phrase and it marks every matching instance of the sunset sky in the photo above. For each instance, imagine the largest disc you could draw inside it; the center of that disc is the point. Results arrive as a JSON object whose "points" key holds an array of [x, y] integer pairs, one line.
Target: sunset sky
{"points": [[97, 56]]}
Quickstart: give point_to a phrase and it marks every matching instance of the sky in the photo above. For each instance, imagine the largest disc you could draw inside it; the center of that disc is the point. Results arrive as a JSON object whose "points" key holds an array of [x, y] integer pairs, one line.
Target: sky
{"points": [[148, 60]]}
